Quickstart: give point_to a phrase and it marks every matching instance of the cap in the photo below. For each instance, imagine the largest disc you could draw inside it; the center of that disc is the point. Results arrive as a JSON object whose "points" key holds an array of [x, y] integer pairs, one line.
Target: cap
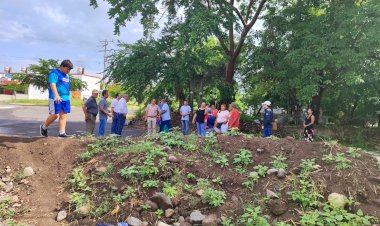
{"points": [[95, 91], [267, 103]]}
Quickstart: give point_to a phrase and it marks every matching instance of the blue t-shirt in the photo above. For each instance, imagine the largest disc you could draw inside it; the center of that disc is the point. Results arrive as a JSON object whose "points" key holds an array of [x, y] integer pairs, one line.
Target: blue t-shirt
{"points": [[210, 121], [103, 103], [185, 110], [62, 82], [165, 116], [268, 118]]}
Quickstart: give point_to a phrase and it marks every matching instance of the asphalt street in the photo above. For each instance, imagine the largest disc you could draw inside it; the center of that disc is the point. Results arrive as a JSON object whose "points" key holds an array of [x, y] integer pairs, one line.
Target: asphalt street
{"points": [[24, 120]]}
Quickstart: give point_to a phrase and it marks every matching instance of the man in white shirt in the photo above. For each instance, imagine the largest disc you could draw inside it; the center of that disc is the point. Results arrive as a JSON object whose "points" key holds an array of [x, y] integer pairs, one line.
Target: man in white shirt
{"points": [[120, 114], [113, 105]]}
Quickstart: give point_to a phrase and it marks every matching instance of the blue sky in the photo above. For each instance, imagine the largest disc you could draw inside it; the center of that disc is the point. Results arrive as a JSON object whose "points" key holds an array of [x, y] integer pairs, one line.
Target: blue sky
{"points": [[58, 29]]}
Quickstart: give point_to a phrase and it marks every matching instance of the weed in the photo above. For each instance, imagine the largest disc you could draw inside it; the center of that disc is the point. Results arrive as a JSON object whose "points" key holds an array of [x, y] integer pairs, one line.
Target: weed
{"points": [[170, 190], [354, 152], [221, 160], [278, 161], [243, 158], [252, 180], [213, 197], [129, 172], [145, 207], [217, 180], [273, 137], [305, 193], [159, 213], [203, 183], [190, 176], [340, 161], [233, 132], [79, 199], [6, 212], [226, 221], [78, 180], [150, 184], [251, 217], [108, 172], [19, 176], [101, 209], [282, 224], [307, 165], [261, 170]]}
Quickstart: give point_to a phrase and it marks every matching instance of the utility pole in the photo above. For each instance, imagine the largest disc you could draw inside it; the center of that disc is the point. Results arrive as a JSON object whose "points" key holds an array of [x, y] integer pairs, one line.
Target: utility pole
{"points": [[105, 50]]}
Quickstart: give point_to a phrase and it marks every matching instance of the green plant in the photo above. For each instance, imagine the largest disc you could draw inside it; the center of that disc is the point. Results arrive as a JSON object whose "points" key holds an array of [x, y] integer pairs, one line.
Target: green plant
{"points": [[203, 183], [19, 176], [217, 180], [78, 180], [150, 184], [145, 207], [129, 172], [79, 199], [6, 212], [243, 158], [221, 160], [159, 213], [251, 217], [101, 209], [170, 190], [233, 132], [261, 170], [307, 165], [354, 152], [305, 193], [108, 171], [190, 176], [278, 161], [340, 161], [226, 221], [330, 216], [252, 180], [282, 224], [213, 197]]}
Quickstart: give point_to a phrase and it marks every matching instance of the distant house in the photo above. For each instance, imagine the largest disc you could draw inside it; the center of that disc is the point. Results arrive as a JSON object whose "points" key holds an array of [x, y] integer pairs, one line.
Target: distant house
{"points": [[32, 92]]}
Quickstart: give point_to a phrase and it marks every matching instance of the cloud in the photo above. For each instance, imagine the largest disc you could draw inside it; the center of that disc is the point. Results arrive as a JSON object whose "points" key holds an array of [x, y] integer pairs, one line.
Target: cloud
{"points": [[14, 30], [53, 13]]}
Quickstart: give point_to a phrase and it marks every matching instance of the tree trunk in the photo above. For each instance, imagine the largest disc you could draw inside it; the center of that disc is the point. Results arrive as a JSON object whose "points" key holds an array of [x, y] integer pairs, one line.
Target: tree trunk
{"points": [[230, 71], [191, 92], [200, 90], [316, 103], [227, 93]]}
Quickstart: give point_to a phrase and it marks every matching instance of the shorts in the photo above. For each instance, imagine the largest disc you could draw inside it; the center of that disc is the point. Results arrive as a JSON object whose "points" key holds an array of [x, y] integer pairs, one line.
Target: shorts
{"points": [[57, 107]]}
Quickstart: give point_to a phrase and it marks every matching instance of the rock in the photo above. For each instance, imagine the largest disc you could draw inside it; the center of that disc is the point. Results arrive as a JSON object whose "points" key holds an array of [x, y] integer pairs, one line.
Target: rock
{"points": [[173, 159], [28, 171], [160, 223], [196, 217], [295, 170], [181, 219], [8, 169], [199, 192], [253, 174], [167, 148], [6, 179], [176, 201], [374, 179], [185, 224], [169, 213], [210, 220], [281, 173], [153, 205], [235, 199], [376, 202], [177, 224], [272, 171], [101, 170], [23, 181], [162, 200], [260, 150], [133, 221], [337, 200], [45, 144], [8, 187], [83, 211], [15, 199], [277, 207], [271, 194], [61, 215], [144, 223], [2, 184], [16, 205]]}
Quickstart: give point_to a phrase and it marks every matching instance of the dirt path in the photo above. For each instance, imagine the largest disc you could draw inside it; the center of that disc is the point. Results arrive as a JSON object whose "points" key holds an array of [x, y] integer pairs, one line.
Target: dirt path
{"points": [[51, 161]]}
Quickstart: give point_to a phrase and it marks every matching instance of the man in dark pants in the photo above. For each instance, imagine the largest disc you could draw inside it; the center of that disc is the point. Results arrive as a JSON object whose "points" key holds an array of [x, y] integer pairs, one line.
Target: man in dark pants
{"points": [[267, 119], [91, 110], [120, 114]]}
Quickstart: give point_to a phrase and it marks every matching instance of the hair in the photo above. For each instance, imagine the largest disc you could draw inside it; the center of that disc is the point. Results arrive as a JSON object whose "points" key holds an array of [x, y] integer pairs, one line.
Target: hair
{"points": [[104, 92], [117, 94], [67, 63]]}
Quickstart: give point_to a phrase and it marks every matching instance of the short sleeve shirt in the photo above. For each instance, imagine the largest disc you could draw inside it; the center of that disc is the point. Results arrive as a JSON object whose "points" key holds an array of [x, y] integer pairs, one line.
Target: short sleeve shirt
{"points": [[151, 110], [200, 115], [103, 103], [222, 116], [91, 106], [165, 116], [234, 119], [62, 82], [185, 110], [114, 103]]}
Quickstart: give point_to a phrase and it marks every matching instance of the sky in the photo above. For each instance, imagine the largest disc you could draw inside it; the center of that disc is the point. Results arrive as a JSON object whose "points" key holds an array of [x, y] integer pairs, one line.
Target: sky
{"points": [[52, 29]]}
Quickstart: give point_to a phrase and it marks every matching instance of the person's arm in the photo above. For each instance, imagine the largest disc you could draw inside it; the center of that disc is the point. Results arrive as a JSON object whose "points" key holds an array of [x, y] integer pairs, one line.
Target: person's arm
{"points": [[311, 123], [195, 115], [53, 87]]}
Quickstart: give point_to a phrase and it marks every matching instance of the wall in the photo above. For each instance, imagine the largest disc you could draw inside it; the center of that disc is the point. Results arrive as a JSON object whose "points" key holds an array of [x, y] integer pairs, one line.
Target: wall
{"points": [[92, 83], [35, 94]]}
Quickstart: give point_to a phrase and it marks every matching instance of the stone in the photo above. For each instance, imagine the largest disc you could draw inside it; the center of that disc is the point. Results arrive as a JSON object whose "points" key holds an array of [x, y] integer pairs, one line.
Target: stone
{"points": [[181, 219], [281, 173], [133, 221], [15, 199], [16, 205], [271, 194], [199, 192], [160, 223], [169, 213], [61, 215], [196, 217], [23, 181], [210, 220], [167, 149], [272, 171], [277, 207], [374, 179], [6, 179], [185, 224], [144, 223], [260, 150], [295, 170], [2, 184], [235, 199], [45, 144], [162, 200], [8, 187], [177, 224], [337, 200], [28, 171], [253, 174], [101, 170], [153, 205], [8, 169], [176, 201], [173, 159], [83, 211]]}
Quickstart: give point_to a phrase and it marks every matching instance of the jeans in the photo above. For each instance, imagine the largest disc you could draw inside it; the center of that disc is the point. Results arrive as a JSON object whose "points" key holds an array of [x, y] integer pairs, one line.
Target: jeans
{"points": [[102, 126], [120, 121], [185, 127], [166, 126], [113, 125], [201, 129], [267, 131]]}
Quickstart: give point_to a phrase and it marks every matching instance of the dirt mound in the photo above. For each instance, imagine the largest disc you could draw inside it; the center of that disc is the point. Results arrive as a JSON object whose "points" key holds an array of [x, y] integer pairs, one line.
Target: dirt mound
{"points": [[52, 160]]}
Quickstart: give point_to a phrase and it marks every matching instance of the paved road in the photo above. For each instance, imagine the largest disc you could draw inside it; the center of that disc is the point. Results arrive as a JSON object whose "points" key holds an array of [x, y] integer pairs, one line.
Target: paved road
{"points": [[24, 120]]}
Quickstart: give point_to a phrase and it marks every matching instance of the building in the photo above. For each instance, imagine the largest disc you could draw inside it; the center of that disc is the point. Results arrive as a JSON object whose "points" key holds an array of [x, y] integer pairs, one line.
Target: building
{"points": [[32, 92]]}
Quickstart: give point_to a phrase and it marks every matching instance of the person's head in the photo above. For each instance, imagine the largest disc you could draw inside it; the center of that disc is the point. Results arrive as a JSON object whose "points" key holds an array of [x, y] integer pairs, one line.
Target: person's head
{"points": [[309, 111], [117, 96], [95, 93], [233, 106], [213, 106], [185, 102], [266, 104], [163, 101], [203, 105], [153, 101], [222, 107], [209, 112], [66, 66], [126, 97], [105, 94]]}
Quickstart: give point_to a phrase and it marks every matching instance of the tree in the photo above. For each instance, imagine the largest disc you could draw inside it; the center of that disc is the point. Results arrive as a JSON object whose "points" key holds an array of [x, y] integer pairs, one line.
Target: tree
{"points": [[39, 73], [229, 20]]}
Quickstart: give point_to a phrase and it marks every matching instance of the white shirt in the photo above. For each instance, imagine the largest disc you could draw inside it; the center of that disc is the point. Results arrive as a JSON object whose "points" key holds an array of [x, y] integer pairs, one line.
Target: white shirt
{"points": [[121, 107], [222, 116], [114, 102]]}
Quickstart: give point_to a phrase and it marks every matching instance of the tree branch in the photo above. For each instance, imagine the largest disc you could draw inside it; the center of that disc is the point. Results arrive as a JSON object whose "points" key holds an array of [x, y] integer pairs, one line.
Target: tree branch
{"points": [[258, 11], [249, 8], [239, 15]]}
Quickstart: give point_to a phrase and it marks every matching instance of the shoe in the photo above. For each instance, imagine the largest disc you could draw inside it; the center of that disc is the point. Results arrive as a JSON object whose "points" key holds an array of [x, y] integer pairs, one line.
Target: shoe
{"points": [[63, 135], [43, 131]]}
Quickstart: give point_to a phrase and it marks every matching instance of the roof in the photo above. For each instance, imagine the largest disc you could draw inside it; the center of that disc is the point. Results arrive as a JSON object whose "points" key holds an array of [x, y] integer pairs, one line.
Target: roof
{"points": [[78, 74]]}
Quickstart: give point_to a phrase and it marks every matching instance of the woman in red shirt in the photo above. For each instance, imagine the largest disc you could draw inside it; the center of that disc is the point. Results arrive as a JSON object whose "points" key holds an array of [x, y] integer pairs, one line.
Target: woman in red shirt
{"points": [[234, 119]]}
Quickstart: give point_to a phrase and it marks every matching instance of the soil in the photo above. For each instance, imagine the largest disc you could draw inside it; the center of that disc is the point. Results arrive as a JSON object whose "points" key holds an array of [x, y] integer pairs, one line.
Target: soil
{"points": [[53, 159]]}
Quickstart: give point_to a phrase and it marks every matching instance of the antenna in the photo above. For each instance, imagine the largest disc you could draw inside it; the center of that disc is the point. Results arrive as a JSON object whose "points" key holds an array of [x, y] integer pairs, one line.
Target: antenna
{"points": [[105, 50]]}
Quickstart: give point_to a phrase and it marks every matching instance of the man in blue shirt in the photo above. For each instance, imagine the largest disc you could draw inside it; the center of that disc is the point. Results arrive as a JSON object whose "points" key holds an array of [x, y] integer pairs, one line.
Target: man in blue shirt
{"points": [[166, 124], [185, 111], [59, 98], [267, 119]]}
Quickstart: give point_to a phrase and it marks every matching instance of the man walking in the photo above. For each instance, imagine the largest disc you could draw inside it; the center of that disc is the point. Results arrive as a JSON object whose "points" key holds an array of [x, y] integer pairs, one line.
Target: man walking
{"points": [[59, 98], [120, 114], [151, 112], [185, 111], [267, 119], [103, 113], [91, 110]]}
